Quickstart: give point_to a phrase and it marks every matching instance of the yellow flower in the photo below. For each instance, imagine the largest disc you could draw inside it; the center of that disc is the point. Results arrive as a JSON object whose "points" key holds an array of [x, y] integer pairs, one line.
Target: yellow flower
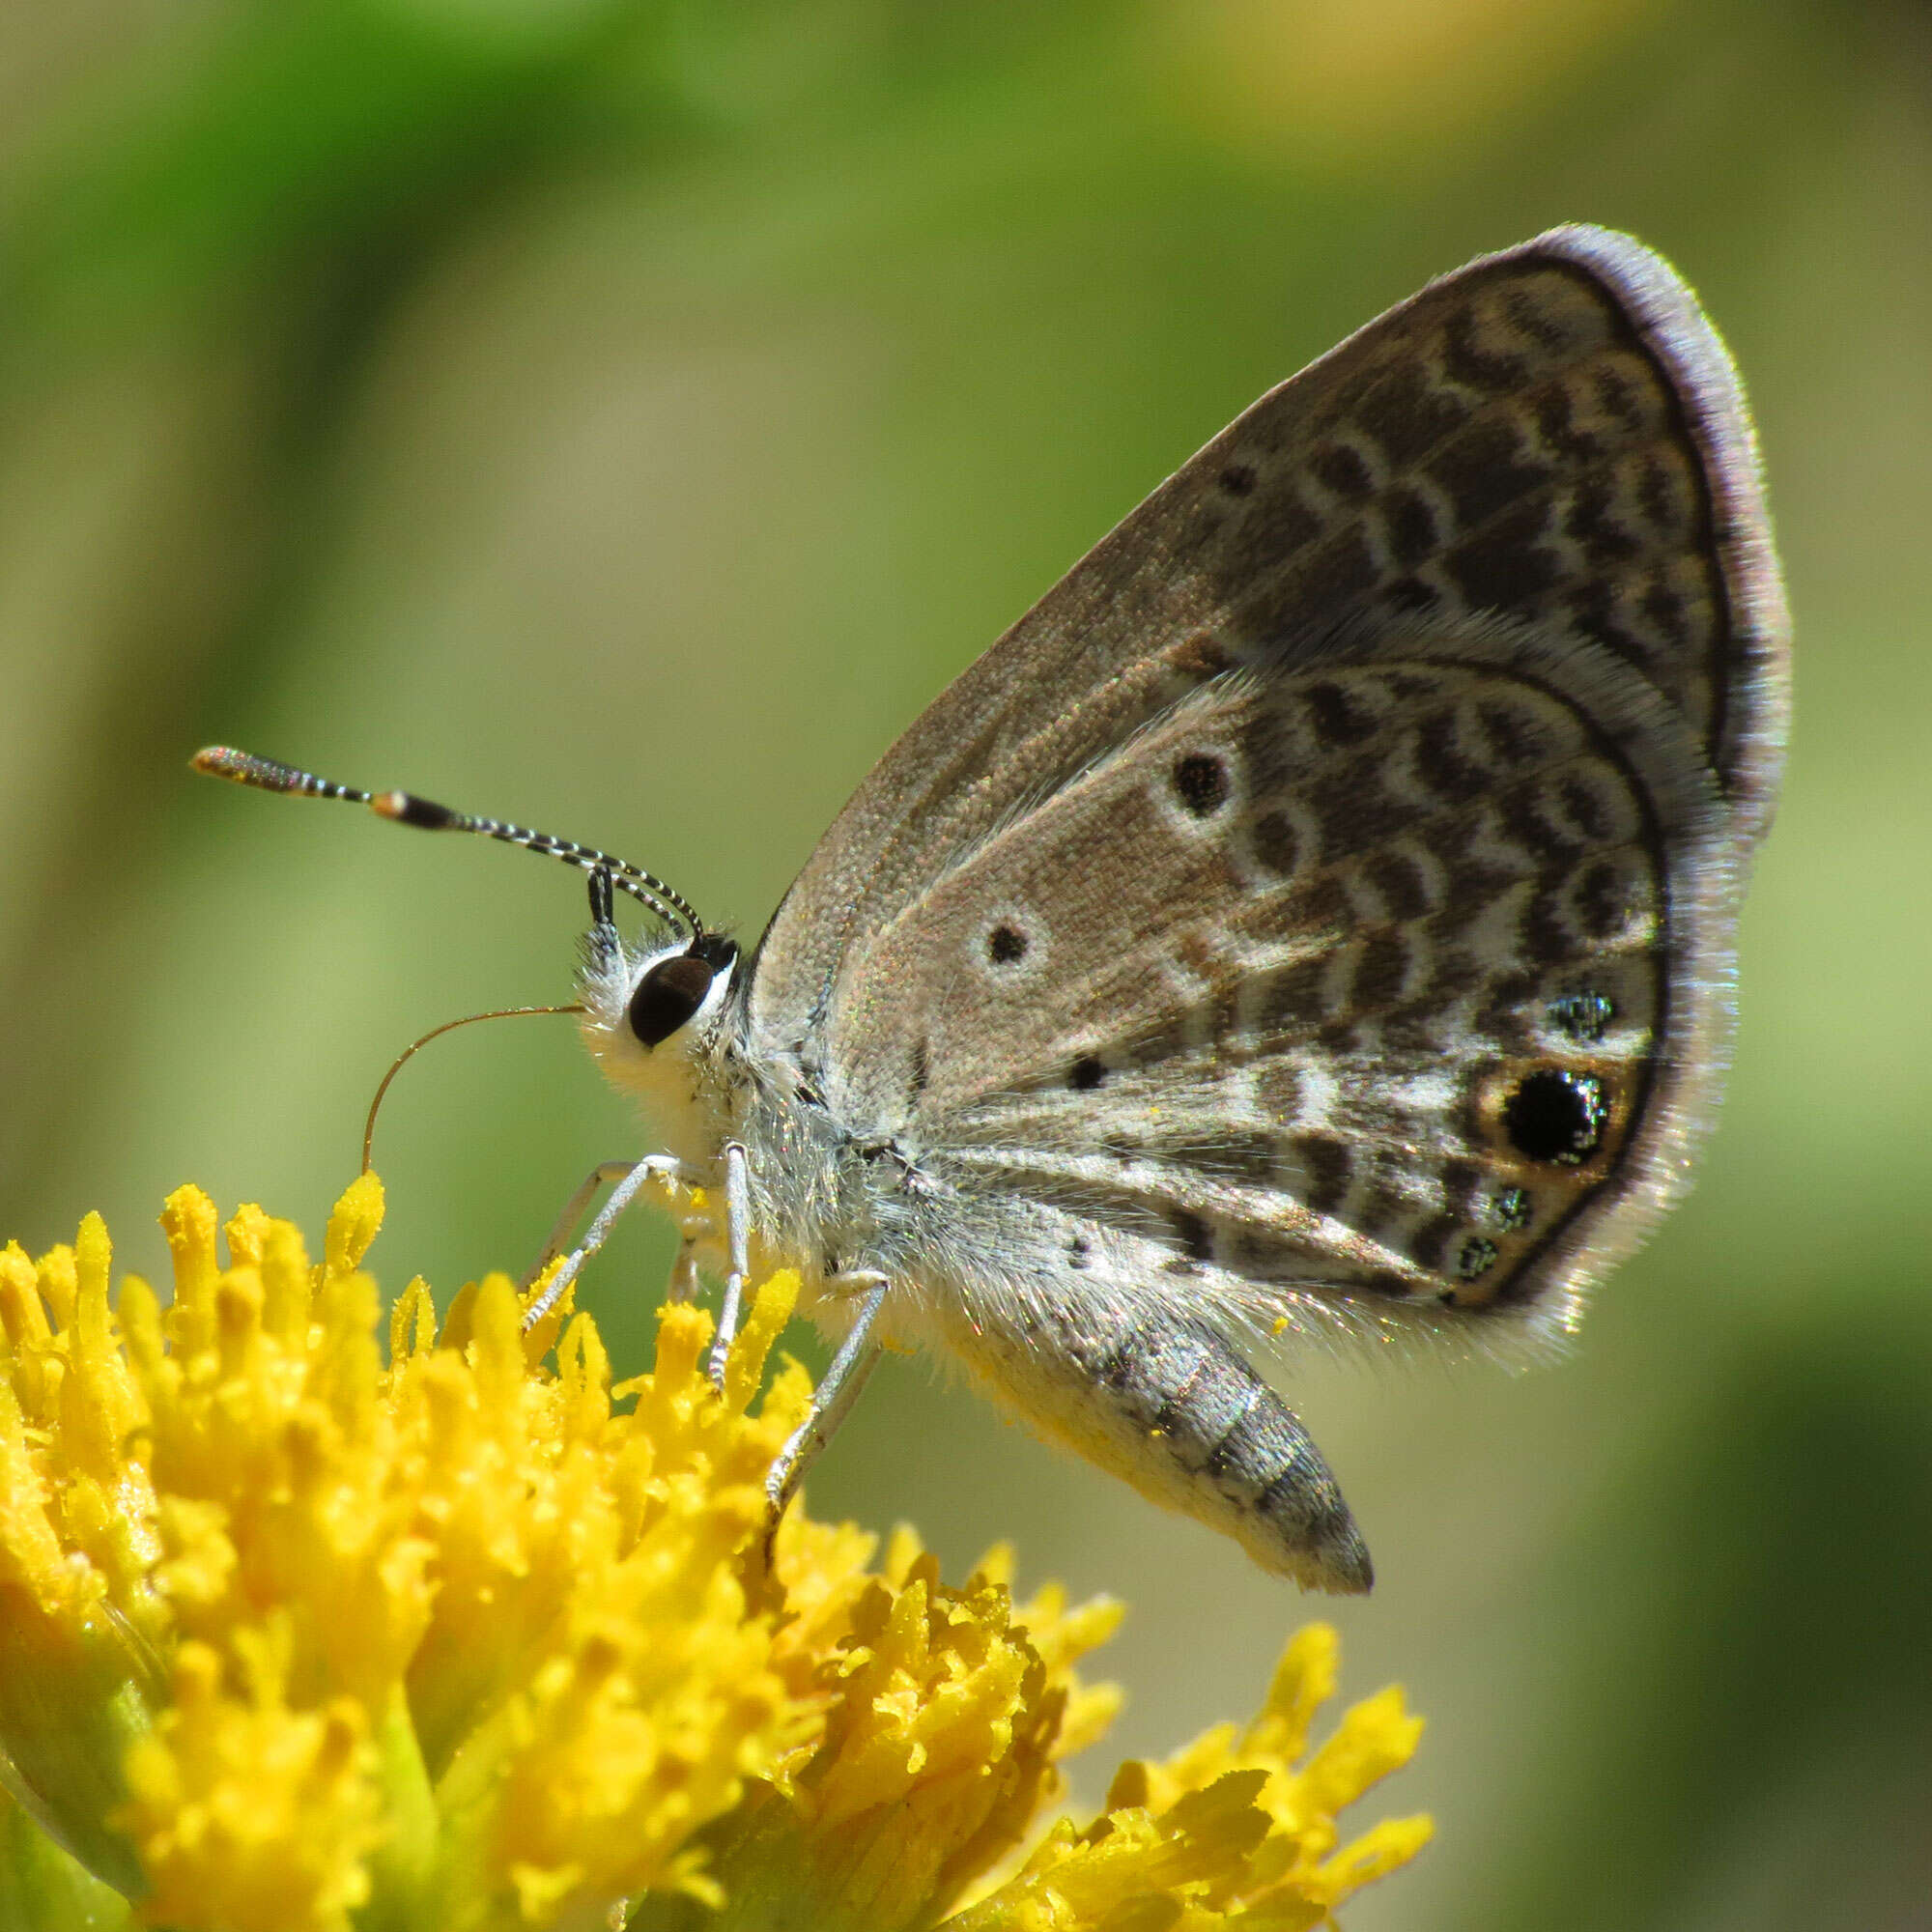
{"points": [[296, 1639]]}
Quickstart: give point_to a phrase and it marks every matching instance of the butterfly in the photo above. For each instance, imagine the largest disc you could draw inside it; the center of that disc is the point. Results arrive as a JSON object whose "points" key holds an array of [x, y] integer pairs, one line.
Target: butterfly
{"points": [[1314, 916]]}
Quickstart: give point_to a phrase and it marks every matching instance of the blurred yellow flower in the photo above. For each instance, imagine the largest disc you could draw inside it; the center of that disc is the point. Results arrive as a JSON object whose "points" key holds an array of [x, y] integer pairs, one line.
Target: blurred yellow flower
{"points": [[293, 1640], [1375, 87]]}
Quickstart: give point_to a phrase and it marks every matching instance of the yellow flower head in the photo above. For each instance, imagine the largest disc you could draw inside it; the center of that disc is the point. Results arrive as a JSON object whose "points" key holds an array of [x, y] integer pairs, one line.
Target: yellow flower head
{"points": [[296, 1639]]}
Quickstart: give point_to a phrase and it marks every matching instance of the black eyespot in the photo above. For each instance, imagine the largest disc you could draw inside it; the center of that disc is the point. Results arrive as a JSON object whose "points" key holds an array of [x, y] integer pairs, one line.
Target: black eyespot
{"points": [[1237, 479], [1084, 1073], [1201, 782], [1005, 945], [667, 996], [1557, 1116]]}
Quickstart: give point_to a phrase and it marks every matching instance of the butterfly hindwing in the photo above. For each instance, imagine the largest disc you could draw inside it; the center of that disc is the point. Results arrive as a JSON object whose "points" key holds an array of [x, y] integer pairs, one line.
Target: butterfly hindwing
{"points": [[1353, 988]]}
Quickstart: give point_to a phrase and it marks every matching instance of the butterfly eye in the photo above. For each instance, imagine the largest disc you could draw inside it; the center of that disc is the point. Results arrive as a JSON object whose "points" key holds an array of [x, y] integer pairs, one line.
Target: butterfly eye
{"points": [[667, 996]]}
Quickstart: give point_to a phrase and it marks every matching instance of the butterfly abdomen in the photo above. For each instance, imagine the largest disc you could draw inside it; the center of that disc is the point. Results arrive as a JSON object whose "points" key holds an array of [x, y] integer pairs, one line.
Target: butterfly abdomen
{"points": [[1232, 1441], [1171, 1407]]}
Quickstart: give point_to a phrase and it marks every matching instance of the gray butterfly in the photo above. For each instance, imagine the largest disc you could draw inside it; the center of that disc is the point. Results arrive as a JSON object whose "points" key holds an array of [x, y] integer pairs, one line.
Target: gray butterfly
{"points": [[1314, 915]]}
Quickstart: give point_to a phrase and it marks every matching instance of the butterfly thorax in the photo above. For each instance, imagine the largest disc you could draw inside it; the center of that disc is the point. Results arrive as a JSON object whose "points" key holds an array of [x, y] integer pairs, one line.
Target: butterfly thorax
{"points": [[829, 1196]]}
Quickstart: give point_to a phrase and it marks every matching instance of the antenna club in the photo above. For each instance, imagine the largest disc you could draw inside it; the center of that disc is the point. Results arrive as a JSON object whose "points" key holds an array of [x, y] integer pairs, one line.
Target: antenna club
{"points": [[245, 768], [224, 761]]}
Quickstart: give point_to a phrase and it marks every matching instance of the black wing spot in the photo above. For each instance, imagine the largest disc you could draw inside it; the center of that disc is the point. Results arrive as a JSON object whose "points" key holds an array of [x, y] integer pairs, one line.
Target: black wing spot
{"points": [[1410, 593], [1006, 946], [1237, 480], [1560, 1116], [1330, 1170], [1085, 1073], [1202, 783]]}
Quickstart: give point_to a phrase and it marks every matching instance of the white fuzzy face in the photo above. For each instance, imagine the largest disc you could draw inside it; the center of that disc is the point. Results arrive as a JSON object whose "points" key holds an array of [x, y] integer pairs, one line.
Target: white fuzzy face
{"points": [[653, 1020]]}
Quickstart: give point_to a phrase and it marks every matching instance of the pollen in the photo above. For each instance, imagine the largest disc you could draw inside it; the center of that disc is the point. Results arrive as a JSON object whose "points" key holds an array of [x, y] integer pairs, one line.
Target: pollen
{"points": [[303, 1632]]}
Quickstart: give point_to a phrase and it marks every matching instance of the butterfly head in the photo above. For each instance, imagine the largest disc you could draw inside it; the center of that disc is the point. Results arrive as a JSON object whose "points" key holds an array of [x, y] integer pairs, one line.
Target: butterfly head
{"points": [[654, 1015]]}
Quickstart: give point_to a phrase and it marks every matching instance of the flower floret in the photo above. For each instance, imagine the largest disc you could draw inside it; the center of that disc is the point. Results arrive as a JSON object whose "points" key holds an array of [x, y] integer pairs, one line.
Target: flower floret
{"points": [[298, 1637]]}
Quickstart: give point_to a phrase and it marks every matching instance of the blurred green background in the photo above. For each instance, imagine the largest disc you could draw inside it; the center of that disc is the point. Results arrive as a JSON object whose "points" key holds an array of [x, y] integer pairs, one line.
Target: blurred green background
{"points": [[625, 416]]}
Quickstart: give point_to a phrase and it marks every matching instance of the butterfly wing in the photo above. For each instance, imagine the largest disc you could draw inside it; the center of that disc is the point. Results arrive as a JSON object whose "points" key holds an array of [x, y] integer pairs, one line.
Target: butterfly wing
{"points": [[1319, 906]]}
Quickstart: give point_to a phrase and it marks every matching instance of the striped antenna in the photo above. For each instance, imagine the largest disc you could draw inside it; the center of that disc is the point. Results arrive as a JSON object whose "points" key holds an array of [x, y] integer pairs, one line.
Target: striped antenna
{"points": [[220, 762]]}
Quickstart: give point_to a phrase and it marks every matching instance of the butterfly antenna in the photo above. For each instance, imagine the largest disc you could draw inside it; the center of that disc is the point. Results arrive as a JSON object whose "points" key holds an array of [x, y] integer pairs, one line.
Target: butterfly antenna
{"points": [[220, 762]]}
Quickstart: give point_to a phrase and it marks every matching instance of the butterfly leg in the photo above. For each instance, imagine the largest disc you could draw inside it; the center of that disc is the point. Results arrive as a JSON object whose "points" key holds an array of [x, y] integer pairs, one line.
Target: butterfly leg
{"points": [[857, 1354], [632, 1179], [683, 1283], [600, 1176], [738, 1238], [694, 1226]]}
